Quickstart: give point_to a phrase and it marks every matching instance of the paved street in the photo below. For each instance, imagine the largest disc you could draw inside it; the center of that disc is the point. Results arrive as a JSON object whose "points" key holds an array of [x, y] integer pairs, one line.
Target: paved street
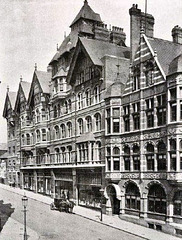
{"points": [[55, 225]]}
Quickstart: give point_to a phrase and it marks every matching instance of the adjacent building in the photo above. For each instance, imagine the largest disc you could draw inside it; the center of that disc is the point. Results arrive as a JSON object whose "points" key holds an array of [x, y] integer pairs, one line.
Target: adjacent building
{"points": [[105, 116], [3, 162]]}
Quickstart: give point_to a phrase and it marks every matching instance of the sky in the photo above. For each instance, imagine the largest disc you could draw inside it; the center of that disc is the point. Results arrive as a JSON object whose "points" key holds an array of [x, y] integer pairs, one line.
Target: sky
{"points": [[31, 29]]}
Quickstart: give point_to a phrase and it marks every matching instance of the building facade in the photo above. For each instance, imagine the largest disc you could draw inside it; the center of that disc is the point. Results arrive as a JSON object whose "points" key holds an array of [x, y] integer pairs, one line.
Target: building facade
{"points": [[106, 116], [3, 162]]}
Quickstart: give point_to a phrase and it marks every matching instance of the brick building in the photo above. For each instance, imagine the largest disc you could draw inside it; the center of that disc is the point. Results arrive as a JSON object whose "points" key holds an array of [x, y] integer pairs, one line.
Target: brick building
{"points": [[106, 116]]}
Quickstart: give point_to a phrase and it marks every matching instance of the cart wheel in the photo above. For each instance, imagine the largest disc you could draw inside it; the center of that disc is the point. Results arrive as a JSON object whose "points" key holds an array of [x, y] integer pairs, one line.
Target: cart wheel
{"points": [[52, 206]]}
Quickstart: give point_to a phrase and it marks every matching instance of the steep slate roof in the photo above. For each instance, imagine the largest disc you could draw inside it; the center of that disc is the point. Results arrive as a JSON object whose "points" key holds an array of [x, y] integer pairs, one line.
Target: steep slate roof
{"points": [[98, 49], [61, 73], [44, 79], [166, 51], [26, 88], [87, 13], [176, 65], [12, 98]]}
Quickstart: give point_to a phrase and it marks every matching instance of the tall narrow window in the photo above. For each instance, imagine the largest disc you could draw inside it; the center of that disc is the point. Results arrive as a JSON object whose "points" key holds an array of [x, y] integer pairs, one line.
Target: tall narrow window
{"points": [[108, 157], [80, 101], [150, 112], [136, 79], [136, 116], [161, 156], [161, 109], [69, 126], [173, 154], [150, 157], [108, 120], [63, 131], [80, 125], [97, 94], [149, 73], [116, 120], [126, 118], [97, 122], [136, 158], [88, 97], [177, 202], [116, 159], [28, 138], [44, 135], [57, 134], [126, 158], [89, 124], [69, 105], [38, 135], [173, 107]]}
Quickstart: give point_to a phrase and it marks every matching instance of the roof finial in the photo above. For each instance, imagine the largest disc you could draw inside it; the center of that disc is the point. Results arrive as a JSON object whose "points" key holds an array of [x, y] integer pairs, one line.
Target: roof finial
{"points": [[21, 78], [35, 66], [85, 2], [8, 88]]}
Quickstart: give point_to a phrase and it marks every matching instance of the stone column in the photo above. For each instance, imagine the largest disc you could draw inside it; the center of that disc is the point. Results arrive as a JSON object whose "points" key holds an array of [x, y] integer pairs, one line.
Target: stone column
{"points": [[53, 190], [122, 204], [75, 189], [90, 152], [21, 180], [155, 159], [143, 206], [35, 181], [169, 215]]}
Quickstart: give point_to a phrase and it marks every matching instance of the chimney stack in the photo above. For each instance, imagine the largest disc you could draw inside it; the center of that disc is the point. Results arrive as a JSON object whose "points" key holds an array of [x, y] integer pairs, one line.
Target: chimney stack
{"points": [[138, 19], [177, 34]]}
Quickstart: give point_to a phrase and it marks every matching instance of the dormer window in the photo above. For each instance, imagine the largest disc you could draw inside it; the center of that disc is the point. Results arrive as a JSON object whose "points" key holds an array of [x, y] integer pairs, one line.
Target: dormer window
{"points": [[136, 79], [149, 73]]}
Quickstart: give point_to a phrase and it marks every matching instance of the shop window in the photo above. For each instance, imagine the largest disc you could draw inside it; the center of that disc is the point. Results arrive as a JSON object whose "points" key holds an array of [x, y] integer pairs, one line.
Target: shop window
{"points": [[80, 125], [132, 197], [126, 118], [177, 202], [116, 159], [157, 199], [150, 157], [161, 156], [136, 158], [136, 116], [161, 109], [150, 112], [173, 155], [127, 158], [97, 121], [89, 124], [88, 97]]}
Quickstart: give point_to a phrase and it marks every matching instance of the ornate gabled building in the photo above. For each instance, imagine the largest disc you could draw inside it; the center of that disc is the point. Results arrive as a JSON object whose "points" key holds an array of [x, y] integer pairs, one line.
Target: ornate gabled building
{"points": [[143, 158], [106, 116]]}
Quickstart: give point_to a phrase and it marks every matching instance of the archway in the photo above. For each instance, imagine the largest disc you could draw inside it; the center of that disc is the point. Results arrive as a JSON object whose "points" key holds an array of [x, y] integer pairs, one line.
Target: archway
{"points": [[112, 192]]}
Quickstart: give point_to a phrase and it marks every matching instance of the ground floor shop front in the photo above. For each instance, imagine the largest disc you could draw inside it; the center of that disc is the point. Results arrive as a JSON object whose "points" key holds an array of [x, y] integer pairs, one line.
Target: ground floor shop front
{"points": [[153, 203], [81, 185]]}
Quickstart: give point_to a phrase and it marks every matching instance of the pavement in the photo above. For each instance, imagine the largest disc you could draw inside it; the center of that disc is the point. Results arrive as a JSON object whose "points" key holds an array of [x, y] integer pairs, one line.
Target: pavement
{"points": [[14, 229]]}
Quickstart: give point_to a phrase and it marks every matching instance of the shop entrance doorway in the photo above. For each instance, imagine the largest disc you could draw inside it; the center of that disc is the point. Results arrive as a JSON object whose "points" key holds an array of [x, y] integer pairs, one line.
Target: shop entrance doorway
{"points": [[115, 203]]}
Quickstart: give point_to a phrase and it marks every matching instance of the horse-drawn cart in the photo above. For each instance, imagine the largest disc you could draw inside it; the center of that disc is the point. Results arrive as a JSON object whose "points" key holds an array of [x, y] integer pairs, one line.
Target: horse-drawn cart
{"points": [[62, 205]]}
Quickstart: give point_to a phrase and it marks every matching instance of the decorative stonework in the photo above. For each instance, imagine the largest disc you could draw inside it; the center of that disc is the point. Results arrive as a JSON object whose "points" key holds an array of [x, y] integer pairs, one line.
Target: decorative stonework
{"points": [[154, 175], [113, 175], [174, 176], [155, 135], [130, 175], [130, 139]]}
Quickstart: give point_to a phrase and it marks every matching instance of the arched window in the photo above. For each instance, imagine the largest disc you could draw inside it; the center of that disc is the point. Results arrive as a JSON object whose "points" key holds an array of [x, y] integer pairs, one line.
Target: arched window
{"points": [[116, 159], [28, 138], [69, 126], [69, 105], [136, 158], [57, 155], [149, 73], [55, 112], [63, 131], [59, 110], [69, 153], [127, 158], [44, 136], [177, 202], [150, 157], [88, 97], [132, 197], [97, 94], [97, 121], [157, 199], [57, 135], [89, 123], [173, 154], [55, 86], [38, 135], [80, 126], [63, 152], [161, 156]]}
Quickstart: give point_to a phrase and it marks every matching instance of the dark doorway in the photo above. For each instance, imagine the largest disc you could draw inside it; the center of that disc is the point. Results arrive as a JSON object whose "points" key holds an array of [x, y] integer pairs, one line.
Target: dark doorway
{"points": [[115, 203]]}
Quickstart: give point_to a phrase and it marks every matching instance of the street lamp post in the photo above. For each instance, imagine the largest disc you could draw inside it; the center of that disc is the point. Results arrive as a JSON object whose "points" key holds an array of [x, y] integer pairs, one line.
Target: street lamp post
{"points": [[101, 205], [25, 203]]}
